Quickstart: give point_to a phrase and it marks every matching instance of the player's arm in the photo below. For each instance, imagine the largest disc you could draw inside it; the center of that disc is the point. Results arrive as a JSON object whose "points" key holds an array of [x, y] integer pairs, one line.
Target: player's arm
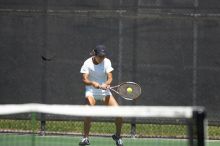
{"points": [[106, 85], [86, 81], [109, 78]]}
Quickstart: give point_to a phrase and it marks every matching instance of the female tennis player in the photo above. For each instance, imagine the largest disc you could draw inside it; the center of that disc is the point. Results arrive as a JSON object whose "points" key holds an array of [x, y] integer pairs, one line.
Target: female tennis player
{"points": [[97, 77]]}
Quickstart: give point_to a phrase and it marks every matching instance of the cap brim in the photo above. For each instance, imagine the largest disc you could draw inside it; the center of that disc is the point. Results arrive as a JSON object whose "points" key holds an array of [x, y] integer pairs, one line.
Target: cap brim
{"points": [[101, 54]]}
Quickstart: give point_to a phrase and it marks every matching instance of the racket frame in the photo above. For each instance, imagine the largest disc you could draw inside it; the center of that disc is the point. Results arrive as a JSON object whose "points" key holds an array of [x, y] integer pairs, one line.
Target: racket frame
{"points": [[112, 88]]}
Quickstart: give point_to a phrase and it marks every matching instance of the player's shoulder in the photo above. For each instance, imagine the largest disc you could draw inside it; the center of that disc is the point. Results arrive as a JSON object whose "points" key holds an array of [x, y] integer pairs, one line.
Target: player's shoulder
{"points": [[88, 60], [107, 62], [107, 59]]}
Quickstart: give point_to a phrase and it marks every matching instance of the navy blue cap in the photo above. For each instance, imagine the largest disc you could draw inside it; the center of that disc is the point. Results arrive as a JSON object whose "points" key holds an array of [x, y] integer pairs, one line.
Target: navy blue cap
{"points": [[100, 50]]}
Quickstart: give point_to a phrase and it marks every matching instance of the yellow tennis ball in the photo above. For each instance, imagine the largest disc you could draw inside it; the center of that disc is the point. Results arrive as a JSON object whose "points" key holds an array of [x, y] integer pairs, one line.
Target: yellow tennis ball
{"points": [[129, 90]]}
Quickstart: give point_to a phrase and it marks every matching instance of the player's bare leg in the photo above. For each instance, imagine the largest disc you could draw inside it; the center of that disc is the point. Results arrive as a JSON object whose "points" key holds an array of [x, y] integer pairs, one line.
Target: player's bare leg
{"points": [[110, 100], [87, 123]]}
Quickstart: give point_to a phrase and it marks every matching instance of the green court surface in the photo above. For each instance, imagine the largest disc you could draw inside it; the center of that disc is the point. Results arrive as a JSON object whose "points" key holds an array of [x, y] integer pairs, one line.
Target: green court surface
{"points": [[29, 140]]}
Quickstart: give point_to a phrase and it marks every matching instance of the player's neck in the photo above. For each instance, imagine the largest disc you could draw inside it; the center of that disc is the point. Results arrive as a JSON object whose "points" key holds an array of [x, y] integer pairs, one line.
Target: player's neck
{"points": [[94, 61]]}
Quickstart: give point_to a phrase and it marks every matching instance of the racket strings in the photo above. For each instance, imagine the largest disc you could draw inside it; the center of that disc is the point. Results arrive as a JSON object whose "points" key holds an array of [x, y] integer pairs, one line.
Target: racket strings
{"points": [[136, 90]]}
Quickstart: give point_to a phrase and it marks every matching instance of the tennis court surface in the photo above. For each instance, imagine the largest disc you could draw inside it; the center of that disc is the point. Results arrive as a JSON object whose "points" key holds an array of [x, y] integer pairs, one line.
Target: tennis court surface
{"points": [[151, 126], [28, 140]]}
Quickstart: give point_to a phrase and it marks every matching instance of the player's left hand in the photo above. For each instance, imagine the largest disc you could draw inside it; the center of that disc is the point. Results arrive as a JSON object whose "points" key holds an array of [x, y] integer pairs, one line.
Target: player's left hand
{"points": [[105, 86]]}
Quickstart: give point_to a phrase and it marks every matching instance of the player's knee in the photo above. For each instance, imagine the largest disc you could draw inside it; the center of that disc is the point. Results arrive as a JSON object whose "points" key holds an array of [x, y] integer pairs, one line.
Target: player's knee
{"points": [[119, 120], [88, 120]]}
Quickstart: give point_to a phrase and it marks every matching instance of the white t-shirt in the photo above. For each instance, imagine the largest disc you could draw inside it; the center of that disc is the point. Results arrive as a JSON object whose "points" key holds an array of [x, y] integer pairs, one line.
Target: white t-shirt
{"points": [[97, 73]]}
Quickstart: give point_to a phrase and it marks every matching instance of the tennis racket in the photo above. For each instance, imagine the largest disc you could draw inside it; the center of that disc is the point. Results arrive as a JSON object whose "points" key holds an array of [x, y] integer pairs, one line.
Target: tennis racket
{"points": [[127, 90]]}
